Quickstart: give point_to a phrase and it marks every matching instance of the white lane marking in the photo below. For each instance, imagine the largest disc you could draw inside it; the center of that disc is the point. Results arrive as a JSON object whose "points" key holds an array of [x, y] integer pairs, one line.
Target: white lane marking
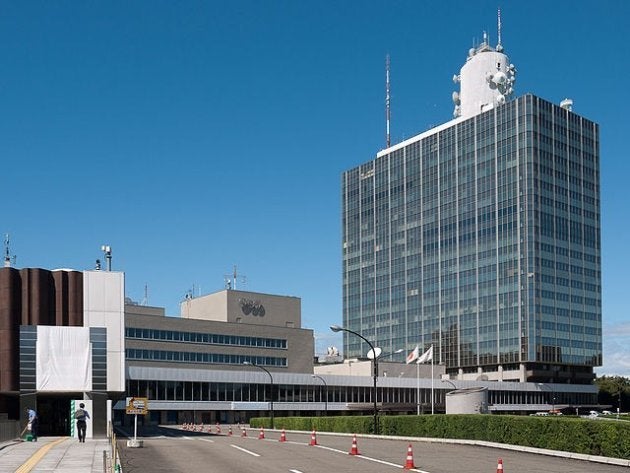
{"points": [[376, 460], [206, 440], [295, 471], [244, 450]]}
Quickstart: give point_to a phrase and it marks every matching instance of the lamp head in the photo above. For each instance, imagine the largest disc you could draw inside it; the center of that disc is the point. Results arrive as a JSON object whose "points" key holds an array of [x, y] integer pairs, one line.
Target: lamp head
{"points": [[335, 328]]}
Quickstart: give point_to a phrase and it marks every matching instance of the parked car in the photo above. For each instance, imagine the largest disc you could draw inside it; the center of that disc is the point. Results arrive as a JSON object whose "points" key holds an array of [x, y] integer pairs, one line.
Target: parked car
{"points": [[607, 413]]}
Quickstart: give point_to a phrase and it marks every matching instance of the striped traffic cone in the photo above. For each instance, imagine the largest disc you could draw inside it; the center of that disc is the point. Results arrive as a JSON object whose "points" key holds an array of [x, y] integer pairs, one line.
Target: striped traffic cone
{"points": [[313, 439], [283, 436], [261, 434], [500, 466], [230, 431], [218, 428], [409, 464], [354, 450]]}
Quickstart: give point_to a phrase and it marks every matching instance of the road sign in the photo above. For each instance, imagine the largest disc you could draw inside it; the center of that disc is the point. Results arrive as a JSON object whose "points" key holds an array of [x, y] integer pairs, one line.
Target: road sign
{"points": [[137, 405]]}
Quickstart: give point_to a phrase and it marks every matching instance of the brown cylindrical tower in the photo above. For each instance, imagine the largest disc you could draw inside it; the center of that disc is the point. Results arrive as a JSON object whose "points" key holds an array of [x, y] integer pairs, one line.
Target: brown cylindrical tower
{"points": [[61, 297], [10, 310], [38, 297], [75, 298]]}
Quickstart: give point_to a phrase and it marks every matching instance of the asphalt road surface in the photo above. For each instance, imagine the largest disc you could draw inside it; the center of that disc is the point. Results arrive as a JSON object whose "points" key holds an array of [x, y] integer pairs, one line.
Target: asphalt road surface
{"points": [[170, 450]]}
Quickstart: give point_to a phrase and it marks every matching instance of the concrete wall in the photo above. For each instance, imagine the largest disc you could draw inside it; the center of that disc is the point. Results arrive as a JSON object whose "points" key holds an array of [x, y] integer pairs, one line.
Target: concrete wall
{"points": [[104, 293], [354, 367], [246, 308], [467, 401]]}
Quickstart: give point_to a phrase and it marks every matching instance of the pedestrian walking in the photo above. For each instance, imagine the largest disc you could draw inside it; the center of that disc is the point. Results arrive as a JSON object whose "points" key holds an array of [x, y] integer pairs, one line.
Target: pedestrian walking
{"points": [[81, 416], [33, 423]]}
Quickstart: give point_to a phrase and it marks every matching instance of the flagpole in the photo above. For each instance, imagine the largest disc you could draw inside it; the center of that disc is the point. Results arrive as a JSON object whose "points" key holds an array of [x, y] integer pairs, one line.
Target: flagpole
{"points": [[432, 381], [418, 388]]}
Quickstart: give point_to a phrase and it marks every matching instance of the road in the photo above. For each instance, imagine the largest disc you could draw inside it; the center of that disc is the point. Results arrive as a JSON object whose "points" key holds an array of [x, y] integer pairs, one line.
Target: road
{"points": [[170, 451]]}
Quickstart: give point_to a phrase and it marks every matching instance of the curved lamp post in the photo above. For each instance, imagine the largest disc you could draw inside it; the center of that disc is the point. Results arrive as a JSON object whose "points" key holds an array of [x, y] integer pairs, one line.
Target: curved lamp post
{"points": [[337, 328], [326, 391], [553, 395], [449, 382], [251, 363]]}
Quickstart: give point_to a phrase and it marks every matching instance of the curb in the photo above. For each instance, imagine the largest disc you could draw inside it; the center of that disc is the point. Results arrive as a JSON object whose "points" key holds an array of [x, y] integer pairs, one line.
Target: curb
{"points": [[483, 443]]}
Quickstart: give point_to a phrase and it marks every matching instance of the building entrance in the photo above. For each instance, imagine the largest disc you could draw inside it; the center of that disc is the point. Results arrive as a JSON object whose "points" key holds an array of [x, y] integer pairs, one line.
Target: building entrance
{"points": [[54, 414]]}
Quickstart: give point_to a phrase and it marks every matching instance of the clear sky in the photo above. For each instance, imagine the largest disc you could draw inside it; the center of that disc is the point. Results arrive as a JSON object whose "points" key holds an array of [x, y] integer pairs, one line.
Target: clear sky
{"points": [[194, 136]]}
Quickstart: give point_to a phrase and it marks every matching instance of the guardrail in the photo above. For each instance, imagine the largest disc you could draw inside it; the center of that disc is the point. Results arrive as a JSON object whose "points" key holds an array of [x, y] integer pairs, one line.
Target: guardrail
{"points": [[111, 457], [9, 430]]}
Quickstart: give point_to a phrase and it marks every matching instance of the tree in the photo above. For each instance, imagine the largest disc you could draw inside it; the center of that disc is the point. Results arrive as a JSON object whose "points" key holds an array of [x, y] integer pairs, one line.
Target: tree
{"points": [[614, 391]]}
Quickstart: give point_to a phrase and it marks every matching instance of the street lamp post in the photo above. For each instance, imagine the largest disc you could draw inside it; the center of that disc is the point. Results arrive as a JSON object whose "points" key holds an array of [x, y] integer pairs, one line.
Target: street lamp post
{"points": [[449, 382], [251, 363], [337, 328], [553, 396], [454, 388], [326, 391]]}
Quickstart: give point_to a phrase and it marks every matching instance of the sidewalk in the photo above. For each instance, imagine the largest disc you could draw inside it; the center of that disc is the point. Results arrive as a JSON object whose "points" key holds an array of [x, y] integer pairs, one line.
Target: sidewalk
{"points": [[60, 454]]}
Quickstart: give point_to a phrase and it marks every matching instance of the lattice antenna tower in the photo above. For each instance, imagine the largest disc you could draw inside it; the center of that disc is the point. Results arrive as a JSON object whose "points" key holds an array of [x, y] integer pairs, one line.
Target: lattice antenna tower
{"points": [[8, 259], [231, 280], [387, 102], [499, 45], [145, 300]]}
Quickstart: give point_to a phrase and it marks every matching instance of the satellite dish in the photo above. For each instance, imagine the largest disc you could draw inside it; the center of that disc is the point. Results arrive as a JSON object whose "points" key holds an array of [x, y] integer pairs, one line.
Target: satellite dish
{"points": [[374, 353]]}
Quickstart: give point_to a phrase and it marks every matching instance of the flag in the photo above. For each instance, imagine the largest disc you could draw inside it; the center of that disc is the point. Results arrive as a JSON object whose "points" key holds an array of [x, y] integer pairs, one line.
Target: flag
{"points": [[426, 356], [413, 356]]}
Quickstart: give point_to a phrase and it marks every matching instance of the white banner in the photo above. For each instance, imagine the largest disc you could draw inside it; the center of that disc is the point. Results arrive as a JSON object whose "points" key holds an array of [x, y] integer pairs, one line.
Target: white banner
{"points": [[64, 359]]}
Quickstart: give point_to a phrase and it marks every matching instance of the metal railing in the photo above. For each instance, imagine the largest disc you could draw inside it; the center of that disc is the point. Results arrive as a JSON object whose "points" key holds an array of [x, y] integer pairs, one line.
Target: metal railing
{"points": [[111, 458]]}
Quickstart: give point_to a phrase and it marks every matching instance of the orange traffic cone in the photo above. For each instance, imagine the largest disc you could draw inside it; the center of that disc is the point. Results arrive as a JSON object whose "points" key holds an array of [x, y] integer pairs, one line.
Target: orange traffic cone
{"points": [[230, 431], [313, 439], [409, 464], [244, 433], [354, 450], [209, 429], [218, 428], [500, 466], [283, 436], [261, 434]]}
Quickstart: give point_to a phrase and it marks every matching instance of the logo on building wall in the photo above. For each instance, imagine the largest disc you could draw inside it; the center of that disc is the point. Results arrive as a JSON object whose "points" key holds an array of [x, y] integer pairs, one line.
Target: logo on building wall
{"points": [[249, 306]]}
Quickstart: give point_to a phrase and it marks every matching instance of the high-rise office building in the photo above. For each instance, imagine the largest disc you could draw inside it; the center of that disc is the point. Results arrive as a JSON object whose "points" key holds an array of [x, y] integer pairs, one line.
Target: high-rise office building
{"points": [[481, 237]]}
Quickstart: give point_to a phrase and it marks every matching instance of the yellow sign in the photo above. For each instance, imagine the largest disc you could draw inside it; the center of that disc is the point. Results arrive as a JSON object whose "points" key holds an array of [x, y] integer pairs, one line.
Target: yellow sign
{"points": [[137, 405]]}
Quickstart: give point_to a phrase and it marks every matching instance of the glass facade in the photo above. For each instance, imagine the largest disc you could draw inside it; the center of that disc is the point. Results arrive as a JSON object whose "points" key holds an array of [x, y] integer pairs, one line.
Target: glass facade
{"points": [[481, 238]]}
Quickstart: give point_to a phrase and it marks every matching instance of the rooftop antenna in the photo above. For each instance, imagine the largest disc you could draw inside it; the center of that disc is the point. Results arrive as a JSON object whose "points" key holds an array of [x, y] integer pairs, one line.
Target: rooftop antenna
{"points": [[387, 101], [107, 250], [499, 46], [231, 279], [145, 300], [7, 252]]}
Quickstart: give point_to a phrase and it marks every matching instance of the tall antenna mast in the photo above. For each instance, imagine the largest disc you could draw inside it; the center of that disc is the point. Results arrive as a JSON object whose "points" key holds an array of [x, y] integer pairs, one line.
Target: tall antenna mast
{"points": [[7, 253], [499, 25], [387, 101], [231, 279], [145, 300]]}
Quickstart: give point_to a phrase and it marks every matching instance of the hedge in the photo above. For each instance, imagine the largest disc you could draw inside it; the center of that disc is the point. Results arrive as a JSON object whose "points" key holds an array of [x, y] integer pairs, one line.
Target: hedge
{"points": [[593, 437]]}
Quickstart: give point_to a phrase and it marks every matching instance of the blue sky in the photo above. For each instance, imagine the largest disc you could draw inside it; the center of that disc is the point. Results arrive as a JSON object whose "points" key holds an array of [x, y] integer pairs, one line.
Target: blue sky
{"points": [[194, 136]]}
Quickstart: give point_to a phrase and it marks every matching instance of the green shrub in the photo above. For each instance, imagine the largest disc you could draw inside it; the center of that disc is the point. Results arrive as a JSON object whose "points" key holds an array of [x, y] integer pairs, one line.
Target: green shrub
{"points": [[607, 438]]}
